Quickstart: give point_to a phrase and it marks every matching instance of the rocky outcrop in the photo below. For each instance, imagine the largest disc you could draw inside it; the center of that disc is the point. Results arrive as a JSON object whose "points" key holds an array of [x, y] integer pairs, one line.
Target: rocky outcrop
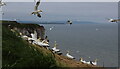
{"points": [[26, 29]]}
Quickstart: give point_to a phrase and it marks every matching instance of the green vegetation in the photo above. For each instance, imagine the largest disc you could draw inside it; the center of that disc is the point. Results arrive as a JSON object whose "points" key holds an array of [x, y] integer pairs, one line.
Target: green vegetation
{"points": [[0, 45], [17, 53], [20, 25]]}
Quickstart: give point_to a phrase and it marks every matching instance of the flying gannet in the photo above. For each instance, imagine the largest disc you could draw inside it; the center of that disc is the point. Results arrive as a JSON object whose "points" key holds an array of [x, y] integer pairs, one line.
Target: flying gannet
{"points": [[69, 56], [51, 28], [69, 22], [36, 11], [2, 3], [114, 20]]}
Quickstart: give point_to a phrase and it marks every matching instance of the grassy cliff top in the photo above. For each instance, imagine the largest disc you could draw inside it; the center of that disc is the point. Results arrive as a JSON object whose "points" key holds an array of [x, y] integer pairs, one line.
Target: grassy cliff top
{"points": [[20, 25]]}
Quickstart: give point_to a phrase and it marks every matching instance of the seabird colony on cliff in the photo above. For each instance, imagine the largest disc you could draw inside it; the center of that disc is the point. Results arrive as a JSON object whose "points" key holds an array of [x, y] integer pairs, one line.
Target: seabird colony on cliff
{"points": [[34, 40], [44, 43], [36, 11]]}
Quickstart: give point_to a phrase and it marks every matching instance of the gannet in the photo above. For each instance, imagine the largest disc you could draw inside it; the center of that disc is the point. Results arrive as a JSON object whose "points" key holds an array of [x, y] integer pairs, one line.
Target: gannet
{"points": [[41, 43], [51, 28], [94, 62], [34, 35], [2, 3], [25, 37], [69, 22], [38, 41], [114, 20], [36, 11], [69, 56], [55, 48], [83, 61]]}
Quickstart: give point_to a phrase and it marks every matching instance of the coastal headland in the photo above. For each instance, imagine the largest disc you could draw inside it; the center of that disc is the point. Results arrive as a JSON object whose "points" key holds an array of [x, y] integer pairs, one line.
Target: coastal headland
{"points": [[19, 53]]}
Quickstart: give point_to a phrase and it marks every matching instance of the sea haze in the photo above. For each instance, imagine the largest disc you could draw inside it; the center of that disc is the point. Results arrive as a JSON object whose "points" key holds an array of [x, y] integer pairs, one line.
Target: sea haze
{"points": [[90, 35]]}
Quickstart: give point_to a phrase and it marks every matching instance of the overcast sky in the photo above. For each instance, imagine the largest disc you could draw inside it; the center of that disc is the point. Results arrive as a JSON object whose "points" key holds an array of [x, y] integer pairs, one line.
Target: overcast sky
{"points": [[63, 0], [61, 11]]}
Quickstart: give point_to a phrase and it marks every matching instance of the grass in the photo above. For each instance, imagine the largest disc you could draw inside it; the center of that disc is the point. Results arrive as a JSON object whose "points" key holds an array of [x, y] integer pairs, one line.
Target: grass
{"points": [[20, 25], [17, 53], [0, 45]]}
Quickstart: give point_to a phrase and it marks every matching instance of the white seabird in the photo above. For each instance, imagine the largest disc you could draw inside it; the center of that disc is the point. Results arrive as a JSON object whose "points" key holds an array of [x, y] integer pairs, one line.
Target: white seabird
{"points": [[43, 43], [25, 37], [114, 20], [69, 56], [51, 28], [94, 62], [69, 22], [83, 61], [89, 62], [36, 11], [34, 36], [2, 3], [55, 48]]}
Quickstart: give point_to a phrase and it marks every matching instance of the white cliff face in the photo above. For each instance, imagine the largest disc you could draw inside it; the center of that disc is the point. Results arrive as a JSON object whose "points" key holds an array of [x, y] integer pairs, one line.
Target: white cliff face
{"points": [[39, 32], [27, 29]]}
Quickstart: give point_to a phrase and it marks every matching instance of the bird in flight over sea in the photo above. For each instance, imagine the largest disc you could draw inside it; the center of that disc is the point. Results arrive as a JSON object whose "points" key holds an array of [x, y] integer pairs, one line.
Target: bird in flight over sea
{"points": [[114, 20], [69, 22], [2, 3], [36, 11], [51, 27]]}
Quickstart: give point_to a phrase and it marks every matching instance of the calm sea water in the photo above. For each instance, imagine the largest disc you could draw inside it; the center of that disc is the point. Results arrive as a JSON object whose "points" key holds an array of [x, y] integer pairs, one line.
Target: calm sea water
{"points": [[89, 41], [84, 38]]}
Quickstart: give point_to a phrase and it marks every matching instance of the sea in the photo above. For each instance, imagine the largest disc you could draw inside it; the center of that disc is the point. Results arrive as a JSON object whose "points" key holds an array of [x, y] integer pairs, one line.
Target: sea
{"points": [[89, 41], [90, 36]]}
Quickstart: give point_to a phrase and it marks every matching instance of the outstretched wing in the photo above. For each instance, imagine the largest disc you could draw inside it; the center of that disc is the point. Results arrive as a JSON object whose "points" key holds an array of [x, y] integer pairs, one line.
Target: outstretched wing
{"points": [[37, 4], [38, 14]]}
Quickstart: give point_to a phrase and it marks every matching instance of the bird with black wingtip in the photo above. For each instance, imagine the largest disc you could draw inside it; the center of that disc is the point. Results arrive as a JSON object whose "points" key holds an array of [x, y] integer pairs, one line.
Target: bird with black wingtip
{"points": [[36, 11]]}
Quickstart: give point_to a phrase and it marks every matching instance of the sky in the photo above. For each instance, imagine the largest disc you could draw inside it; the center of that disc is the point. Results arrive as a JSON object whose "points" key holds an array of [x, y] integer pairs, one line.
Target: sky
{"points": [[62, 11], [63, 0]]}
